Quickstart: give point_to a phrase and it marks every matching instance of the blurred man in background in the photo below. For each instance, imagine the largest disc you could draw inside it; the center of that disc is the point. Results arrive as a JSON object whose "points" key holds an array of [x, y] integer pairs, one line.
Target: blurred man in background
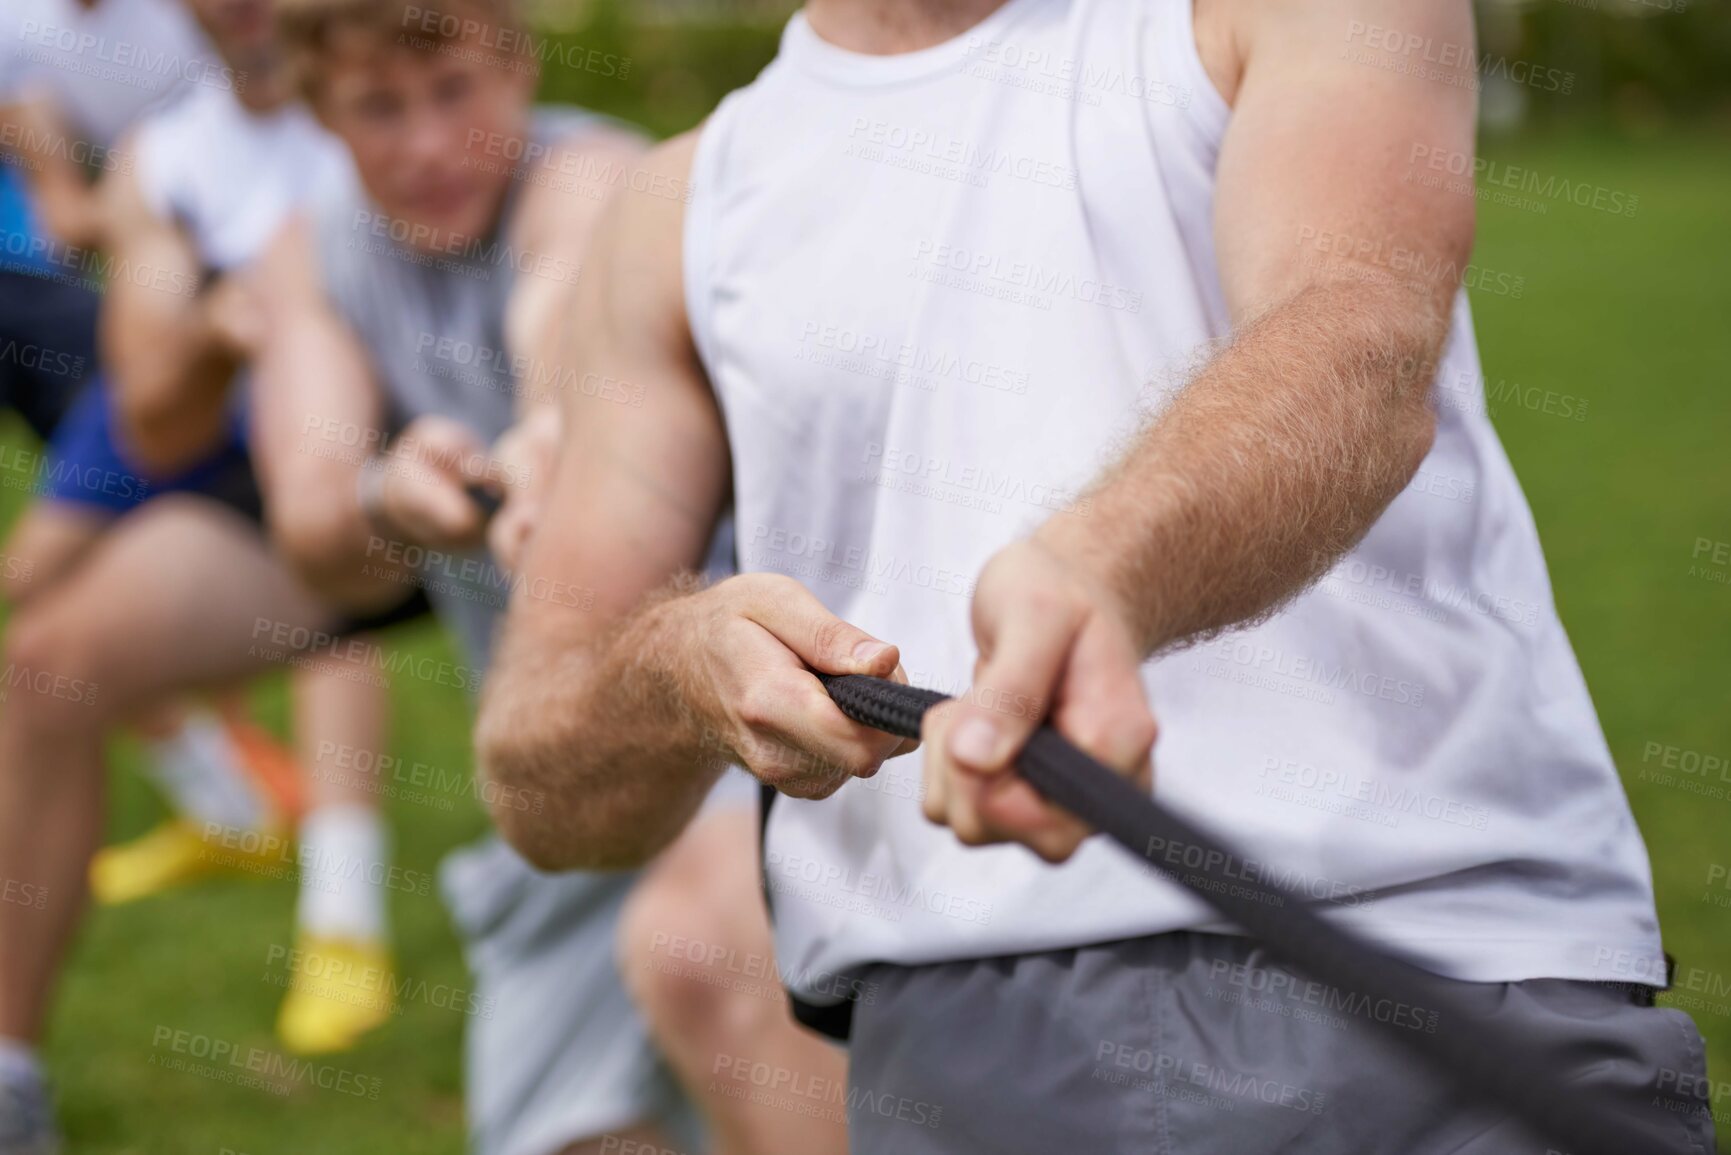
{"points": [[213, 179], [155, 574], [426, 306]]}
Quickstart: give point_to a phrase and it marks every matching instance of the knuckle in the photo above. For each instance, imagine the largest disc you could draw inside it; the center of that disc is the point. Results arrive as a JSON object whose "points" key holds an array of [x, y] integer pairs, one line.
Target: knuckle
{"points": [[885, 747], [969, 832], [1091, 734], [861, 760], [1055, 848], [828, 635], [771, 587], [1141, 731], [812, 787], [935, 725], [755, 707]]}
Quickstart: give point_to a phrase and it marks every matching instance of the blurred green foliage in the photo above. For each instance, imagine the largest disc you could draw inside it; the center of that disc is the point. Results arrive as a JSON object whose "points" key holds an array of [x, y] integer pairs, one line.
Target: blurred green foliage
{"points": [[665, 77], [1636, 63], [1631, 65]]}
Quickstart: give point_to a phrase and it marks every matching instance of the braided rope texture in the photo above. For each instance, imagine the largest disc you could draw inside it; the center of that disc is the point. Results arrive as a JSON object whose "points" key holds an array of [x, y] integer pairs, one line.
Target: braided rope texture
{"points": [[1480, 1054]]}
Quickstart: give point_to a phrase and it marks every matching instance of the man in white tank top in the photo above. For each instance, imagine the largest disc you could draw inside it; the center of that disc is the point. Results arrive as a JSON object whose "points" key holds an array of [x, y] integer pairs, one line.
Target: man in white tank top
{"points": [[1076, 357]]}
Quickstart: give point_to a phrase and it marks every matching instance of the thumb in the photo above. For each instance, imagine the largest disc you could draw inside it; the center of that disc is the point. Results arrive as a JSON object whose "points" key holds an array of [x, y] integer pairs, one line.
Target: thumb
{"points": [[446, 445], [817, 637], [1013, 683], [448, 507]]}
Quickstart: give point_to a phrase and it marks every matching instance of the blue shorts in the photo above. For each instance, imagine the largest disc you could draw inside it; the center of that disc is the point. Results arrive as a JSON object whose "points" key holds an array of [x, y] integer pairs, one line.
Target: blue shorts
{"points": [[87, 467]]}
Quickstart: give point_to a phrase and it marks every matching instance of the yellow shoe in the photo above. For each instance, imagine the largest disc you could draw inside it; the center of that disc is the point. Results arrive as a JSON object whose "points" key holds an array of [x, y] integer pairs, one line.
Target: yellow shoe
{"points": [[339, 989], [181, 851]]}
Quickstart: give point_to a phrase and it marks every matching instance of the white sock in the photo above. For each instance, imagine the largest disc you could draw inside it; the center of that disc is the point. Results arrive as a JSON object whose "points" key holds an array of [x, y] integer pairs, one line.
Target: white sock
{"points": [[343, 867], [18, 1062], [199, 770]]}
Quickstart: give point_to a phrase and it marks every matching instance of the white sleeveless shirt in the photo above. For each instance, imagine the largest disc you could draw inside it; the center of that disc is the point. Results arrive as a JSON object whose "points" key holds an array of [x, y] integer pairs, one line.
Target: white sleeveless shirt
{"points": [[935, 292], [230, 176]]}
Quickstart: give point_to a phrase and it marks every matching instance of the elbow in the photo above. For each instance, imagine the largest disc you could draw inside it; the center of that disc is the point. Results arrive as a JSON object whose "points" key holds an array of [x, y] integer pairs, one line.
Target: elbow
{"points": [[556, 849], [313, 542], [576, 841], [1415, 436], [529, 836], [1406, 366], [539, 809]]}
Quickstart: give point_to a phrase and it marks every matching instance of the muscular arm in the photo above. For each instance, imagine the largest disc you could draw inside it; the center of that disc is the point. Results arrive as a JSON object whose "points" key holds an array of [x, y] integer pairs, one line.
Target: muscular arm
{"points": [[638, 491], [170, 368], [1289, 444], [620, 689], [556, 225]]}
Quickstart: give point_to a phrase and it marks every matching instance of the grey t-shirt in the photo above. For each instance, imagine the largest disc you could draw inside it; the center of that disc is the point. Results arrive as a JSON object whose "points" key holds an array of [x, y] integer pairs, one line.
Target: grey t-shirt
{"points": [[430, 309]]}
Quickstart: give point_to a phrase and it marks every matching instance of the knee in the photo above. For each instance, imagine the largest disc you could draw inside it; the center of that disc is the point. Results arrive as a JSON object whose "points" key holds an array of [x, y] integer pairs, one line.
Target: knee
{"points": [[689, 960], [16, 582], [52, 672]]}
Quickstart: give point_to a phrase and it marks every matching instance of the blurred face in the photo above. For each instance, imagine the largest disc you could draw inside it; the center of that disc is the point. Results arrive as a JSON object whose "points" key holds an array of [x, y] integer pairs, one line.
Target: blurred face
{"points": [[419, 125]]}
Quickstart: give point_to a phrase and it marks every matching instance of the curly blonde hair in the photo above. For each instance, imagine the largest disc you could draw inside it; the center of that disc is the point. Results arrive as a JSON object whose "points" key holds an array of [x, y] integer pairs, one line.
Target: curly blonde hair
{"points": [[315, 30]]}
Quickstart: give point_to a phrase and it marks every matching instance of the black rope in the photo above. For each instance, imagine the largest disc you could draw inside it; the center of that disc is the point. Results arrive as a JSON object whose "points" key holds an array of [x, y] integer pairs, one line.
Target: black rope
{"points": [[485, 499], [1478, 1053]]}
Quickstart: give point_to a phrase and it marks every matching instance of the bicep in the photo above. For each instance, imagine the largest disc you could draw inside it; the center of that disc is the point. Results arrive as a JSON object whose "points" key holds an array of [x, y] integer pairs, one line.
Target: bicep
{"points": [[557, 223], [1321, 174], [643, 465]]}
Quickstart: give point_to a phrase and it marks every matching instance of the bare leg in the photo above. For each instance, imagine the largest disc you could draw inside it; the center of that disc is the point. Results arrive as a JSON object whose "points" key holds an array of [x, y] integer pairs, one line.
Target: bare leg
{"points": [[341, 724], [171, 600], [705, 889], [45, 544], [341, 715], [341, 917]]}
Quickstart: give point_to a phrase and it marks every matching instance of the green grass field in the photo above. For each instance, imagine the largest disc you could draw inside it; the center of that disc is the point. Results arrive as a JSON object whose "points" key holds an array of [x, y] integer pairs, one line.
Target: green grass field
{"points": [[1631, 315]]}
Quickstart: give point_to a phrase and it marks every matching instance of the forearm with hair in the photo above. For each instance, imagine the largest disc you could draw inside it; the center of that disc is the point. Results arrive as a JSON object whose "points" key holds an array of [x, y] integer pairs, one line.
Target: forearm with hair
{"points": [[596, 734], [1274, 461]]}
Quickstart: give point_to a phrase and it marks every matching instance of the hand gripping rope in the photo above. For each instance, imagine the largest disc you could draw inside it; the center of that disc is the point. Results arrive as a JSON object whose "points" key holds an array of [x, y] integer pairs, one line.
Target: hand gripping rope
{"points": [[1481, 1055]]}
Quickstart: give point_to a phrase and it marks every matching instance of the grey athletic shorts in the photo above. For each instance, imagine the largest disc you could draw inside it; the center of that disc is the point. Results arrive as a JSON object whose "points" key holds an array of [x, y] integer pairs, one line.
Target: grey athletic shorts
{"points": [[563, 1054], [1194, 1044]]}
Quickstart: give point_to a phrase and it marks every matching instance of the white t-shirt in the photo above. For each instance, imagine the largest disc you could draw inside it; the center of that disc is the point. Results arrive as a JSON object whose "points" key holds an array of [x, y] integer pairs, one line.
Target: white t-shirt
{"points": [[230, 176], [105, 66], [935, 292]]}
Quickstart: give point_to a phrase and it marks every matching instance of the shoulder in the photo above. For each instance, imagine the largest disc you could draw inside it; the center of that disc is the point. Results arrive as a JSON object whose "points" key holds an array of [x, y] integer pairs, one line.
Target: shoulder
{"points": [[653, 189], [1230, 34], [642, 229]]}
